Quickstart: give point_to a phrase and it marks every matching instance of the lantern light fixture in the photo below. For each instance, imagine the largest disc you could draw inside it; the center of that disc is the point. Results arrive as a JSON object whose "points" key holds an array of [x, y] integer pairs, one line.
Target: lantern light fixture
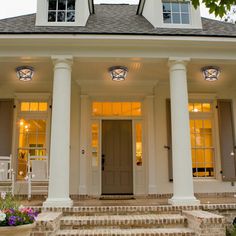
{"points": [[25, 73], [118, 73], [211, 73]]}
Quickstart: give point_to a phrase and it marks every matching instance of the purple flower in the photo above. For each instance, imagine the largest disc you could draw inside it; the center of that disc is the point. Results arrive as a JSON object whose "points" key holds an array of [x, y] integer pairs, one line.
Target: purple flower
{"points": [[12, 220]]}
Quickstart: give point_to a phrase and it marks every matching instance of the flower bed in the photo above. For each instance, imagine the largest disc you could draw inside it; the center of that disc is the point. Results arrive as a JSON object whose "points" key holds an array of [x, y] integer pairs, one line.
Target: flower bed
{"points": [[12, 214]]}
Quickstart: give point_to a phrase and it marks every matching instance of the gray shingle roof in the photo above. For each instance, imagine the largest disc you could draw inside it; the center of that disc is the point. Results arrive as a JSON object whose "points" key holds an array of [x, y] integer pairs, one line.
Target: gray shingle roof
{"points": [[114, 19]]}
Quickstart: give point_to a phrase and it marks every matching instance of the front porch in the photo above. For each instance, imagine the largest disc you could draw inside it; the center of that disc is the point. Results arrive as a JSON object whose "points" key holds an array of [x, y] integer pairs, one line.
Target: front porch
{"points": [[71, 83]]}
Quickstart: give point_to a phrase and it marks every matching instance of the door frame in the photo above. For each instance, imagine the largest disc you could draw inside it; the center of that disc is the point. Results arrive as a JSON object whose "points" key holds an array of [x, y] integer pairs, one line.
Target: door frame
{"points": [[96, 172]]}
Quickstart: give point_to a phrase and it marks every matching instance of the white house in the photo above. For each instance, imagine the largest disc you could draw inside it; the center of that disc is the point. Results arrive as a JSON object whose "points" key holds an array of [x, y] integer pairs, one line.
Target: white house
{"points": [[97, 135]]}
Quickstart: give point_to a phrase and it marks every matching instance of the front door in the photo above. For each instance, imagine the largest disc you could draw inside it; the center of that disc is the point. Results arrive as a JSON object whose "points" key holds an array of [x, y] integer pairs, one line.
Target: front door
{"points": [[117, 165]]}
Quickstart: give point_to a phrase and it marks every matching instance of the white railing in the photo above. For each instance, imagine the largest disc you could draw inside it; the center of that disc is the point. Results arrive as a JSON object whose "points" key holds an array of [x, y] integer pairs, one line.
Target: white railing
{"points": [[7, 174], [37, 171]]}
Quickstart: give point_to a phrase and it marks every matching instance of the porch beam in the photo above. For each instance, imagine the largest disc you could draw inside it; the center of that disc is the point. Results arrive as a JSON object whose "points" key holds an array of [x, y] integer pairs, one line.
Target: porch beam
{"points": [[181, 146], [58, 195]]}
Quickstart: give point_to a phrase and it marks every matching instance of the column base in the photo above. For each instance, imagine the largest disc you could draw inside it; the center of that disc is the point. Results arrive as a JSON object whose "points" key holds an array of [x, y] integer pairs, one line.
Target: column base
{"points": [[152, 189], [58, 202], [182, 201]]}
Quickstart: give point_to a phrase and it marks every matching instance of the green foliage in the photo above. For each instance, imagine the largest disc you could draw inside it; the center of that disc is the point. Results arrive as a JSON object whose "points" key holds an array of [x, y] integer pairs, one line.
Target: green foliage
{"points": [[218, 7], [8, 202], [231, 231]]}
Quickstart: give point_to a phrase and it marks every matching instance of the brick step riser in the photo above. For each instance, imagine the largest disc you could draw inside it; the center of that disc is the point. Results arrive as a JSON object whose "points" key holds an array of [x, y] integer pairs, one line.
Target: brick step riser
{"points": [[133, 234], [123, 226], [96, 213]]}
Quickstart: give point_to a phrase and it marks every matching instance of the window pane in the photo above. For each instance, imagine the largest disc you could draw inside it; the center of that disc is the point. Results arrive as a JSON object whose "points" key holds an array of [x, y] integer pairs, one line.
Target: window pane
{"points": [[190, 107], [61, 4], [175, 7], [25, 106], [126, 109], [198, 126], [136, 109], [139, 158], [97, 109], [206, 107], [166, 7], [71, 5], [208, 125], [61, 16], [185, 18], [176, 18], [43, 106], [52, 16], [70, 16], [52, 5], [116, 106], [197, 107], [107, 109], [34, 106], [95, 145], [167, 17], [184, 7]]}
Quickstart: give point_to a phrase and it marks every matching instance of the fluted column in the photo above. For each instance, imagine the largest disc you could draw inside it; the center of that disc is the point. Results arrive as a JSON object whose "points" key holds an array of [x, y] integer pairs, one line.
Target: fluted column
{"points": [[181, 145], [58, 195]]}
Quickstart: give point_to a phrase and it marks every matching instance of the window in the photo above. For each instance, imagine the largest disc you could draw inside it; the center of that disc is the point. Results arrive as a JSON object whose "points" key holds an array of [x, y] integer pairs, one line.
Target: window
{"points": [[33, 106], [201, 126], [116, 109], [61, 11], [175, 12], [31, 141], [139, 146], [95, 144]]}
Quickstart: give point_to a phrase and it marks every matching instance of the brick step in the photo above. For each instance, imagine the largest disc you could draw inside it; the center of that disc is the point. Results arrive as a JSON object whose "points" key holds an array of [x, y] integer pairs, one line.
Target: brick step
{"points": [[121, 210], [123, 221], [126, 232]]}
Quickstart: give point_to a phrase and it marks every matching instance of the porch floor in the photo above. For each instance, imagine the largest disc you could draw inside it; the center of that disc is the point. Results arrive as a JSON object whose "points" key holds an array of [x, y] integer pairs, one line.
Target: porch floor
{"points": [[137, 201]]}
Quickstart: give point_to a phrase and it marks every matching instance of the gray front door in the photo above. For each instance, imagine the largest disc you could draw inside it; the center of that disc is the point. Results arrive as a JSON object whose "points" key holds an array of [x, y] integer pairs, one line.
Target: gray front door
{"points": [[117, 167]]}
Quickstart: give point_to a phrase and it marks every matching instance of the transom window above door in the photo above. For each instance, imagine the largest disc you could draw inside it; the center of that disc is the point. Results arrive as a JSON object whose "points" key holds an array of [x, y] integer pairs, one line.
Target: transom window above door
{"points": [[61, 10], [120, 109]]}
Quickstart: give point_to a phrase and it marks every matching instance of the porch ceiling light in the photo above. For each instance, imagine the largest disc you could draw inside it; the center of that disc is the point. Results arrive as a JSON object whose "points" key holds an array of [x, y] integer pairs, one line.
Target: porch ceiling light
{"points": [[211, 73], [25, 73], [118, 73]]}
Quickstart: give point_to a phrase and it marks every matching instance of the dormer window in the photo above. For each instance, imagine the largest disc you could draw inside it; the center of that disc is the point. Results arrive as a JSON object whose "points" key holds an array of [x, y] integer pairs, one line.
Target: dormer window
{"points": [[61, 10], [176, 12]]}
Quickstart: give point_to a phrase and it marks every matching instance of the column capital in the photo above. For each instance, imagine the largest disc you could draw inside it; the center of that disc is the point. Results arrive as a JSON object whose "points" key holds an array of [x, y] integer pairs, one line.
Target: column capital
{"points": [[178, 63], [62, 61]]}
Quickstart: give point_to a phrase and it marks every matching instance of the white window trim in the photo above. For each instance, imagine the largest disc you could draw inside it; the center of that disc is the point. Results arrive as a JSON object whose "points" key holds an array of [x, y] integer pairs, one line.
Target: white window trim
{"points": [[82, 14], [208, 98], [19, 97], [194, 19]]}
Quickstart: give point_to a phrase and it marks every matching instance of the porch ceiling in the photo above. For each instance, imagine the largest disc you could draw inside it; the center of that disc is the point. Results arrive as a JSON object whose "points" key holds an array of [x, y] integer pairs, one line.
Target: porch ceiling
{"points": [[93, 72]]}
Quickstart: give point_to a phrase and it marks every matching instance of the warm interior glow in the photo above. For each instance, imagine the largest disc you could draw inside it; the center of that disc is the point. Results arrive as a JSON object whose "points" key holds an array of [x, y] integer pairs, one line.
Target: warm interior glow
{"points": [[32, 140], [34, 106], [116, 109], [95, 146], [139, 151], [199, 107], [202, 148]]}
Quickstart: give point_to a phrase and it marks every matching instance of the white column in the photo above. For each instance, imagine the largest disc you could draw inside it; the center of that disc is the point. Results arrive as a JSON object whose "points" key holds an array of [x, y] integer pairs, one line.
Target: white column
{"points": [[58, 195], [83, 164], [181, 146], [149, 108]]}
